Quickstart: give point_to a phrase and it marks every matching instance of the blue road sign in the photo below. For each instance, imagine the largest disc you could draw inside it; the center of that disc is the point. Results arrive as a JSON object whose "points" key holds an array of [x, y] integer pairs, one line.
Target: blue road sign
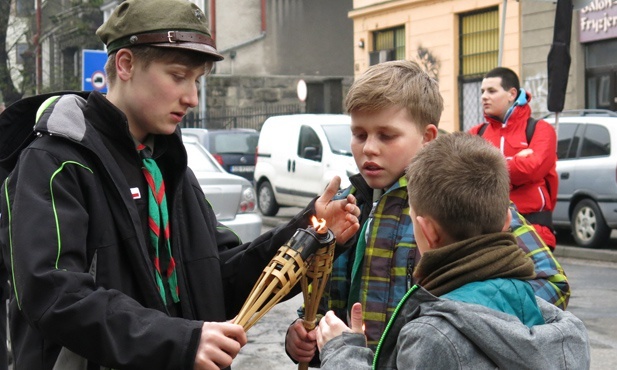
{"points": [[93, 67]]}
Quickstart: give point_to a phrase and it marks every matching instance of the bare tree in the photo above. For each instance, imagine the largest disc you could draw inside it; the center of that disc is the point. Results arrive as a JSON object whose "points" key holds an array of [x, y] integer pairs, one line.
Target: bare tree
{"points": [[14, 29]]}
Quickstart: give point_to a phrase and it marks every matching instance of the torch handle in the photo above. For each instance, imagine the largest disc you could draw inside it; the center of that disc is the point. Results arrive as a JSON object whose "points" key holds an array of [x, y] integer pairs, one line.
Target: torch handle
{"points": [[313, 285], [308, 325]]}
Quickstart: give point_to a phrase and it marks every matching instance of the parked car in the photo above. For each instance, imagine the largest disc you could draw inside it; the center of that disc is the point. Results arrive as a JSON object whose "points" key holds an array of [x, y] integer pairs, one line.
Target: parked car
{"points": [[587, 169], [232, 197], [298, 155], [234, 149]]}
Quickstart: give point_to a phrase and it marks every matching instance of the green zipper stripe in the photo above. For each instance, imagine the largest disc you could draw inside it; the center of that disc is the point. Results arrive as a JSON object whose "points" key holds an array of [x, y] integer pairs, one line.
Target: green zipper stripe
{"points": [[391, 322], [8, 207], [53, 203]]}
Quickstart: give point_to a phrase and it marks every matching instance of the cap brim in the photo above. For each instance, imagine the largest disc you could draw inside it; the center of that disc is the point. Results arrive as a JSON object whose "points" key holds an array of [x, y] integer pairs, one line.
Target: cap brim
{"points": [[201, 48]]}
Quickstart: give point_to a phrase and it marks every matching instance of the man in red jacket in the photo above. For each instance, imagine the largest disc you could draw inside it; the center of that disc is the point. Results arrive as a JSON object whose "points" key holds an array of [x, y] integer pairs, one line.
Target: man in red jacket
{"points": [[531, 163]]}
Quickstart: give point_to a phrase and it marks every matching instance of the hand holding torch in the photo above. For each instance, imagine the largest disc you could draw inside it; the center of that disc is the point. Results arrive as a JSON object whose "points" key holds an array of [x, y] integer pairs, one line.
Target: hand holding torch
{"points": [[283, 272], [314, 281]]}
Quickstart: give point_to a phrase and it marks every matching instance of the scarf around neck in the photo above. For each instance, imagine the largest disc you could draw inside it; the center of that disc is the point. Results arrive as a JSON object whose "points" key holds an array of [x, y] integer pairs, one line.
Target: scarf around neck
{"points": [[475, 259]]}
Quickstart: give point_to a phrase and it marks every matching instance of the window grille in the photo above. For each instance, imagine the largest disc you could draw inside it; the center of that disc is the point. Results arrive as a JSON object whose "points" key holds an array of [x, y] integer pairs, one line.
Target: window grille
{"points": [[478, 53]]}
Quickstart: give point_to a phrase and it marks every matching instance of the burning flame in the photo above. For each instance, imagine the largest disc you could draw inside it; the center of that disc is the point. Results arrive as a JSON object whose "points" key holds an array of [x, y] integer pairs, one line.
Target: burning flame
{"points": [[319, 225]]}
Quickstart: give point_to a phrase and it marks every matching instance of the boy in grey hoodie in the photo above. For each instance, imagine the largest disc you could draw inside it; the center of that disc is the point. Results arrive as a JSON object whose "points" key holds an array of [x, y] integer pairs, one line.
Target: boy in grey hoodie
{"points": [[473, 306]]}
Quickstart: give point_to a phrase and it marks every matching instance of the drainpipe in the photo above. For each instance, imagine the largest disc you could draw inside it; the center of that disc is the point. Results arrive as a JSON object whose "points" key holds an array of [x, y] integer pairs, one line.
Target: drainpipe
{"points": [[213, 19], [263, 17]]}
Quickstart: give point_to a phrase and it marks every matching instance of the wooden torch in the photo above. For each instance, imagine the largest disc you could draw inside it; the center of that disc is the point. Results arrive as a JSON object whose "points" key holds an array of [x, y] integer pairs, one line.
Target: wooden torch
{"points": [[283, 272], [314, 281]]}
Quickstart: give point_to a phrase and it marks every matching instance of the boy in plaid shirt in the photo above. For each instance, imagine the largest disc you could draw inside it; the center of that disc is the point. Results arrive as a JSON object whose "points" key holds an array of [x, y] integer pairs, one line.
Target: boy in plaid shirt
{"points": [[395, 109]]}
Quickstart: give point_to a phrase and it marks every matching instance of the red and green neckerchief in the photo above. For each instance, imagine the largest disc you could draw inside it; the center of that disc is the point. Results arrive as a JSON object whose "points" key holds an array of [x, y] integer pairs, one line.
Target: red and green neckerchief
{"points": [[158, 222]]}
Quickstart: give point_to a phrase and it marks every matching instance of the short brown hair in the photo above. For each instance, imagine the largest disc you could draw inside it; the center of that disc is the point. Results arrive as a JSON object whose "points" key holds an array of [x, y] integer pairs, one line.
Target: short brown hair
{"points": [[397, 83], [148, 54], [462, 182]]}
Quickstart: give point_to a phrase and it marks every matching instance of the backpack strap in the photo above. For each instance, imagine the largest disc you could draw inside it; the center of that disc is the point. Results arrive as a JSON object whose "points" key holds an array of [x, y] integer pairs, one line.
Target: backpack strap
{"points": [[529, 129], [482, 129]]}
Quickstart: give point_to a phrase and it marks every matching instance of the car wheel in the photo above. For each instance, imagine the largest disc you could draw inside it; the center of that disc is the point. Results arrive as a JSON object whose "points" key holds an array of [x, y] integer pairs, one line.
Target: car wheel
{"points": [[588, 226], [266, 201]]}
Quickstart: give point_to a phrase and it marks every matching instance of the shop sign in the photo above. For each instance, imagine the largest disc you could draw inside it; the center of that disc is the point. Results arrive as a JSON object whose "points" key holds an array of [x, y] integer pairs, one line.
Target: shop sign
{"points": [[598, 21]]}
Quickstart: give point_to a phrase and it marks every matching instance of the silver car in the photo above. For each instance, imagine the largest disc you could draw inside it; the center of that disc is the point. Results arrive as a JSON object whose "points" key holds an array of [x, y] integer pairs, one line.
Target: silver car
{"points": [[232, 197], [587, 170]]}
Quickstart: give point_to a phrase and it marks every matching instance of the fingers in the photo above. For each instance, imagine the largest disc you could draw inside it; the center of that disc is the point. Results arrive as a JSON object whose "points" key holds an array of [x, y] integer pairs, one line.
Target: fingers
{"points": [[348, 233], [300, 345], [219, 345], [331, 189], [356, 318], [351, 206], [330, 327]]}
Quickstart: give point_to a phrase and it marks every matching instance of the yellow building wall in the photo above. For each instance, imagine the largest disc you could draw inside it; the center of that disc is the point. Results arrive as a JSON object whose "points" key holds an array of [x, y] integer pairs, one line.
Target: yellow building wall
{"points": [[433, 25]]}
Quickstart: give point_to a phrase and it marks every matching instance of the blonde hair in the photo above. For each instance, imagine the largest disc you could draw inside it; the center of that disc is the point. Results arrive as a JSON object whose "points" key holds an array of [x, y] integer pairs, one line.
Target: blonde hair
{"points": [[397, 83], [462, 182]]}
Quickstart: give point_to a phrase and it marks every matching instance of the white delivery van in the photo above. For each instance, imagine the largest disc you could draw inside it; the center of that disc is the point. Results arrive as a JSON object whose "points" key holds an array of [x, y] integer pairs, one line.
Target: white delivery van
{"points": [[298, 155]]}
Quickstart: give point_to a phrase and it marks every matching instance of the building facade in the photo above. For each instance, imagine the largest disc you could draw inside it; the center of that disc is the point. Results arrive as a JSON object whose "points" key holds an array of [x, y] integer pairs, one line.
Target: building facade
{"points": [[596, 37], [457, 41]]}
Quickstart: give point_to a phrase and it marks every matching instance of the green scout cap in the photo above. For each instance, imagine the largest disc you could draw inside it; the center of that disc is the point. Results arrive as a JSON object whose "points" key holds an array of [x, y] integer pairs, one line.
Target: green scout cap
{"points": [[161, 23]]}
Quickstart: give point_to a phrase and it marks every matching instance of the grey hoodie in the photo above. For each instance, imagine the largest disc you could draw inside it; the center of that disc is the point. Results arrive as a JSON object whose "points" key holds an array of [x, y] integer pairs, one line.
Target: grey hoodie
{"points": [[439, 333]]}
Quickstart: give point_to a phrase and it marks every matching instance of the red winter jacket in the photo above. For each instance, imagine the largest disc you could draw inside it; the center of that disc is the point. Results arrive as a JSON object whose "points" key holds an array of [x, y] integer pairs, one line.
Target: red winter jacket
{"points": [[533, 179]]}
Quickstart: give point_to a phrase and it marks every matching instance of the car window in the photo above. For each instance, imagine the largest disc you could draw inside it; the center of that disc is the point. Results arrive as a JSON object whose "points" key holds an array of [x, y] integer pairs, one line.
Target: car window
{"points": [[566, 132], [198, 161], [576, 140], [339, 138], [597, 142], [309, 139], [234, 143]]}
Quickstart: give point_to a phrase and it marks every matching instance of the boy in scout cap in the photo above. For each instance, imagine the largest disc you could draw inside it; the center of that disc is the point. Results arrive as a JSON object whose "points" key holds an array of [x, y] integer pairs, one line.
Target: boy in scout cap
{"points": [[116, 258]]}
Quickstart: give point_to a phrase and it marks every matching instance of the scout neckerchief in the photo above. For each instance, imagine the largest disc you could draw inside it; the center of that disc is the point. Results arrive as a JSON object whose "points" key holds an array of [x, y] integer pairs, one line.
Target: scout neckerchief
{"points": [[158, 222]]}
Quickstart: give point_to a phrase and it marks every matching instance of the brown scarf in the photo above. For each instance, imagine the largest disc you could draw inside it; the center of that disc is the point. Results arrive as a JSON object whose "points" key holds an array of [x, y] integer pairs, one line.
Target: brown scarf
{"points": [[476, 259]]}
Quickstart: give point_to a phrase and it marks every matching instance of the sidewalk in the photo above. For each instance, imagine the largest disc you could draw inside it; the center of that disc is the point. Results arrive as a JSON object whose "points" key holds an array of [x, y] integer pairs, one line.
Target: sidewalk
{"points": [[586, 253]]}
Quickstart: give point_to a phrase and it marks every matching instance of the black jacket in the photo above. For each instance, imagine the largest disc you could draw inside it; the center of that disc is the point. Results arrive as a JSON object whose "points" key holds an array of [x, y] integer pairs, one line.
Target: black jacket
{"points": [[73, 242]]}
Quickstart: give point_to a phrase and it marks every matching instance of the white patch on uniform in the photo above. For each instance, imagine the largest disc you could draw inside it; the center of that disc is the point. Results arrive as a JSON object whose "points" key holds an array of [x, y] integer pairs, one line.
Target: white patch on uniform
{"points": [[135, 193]]}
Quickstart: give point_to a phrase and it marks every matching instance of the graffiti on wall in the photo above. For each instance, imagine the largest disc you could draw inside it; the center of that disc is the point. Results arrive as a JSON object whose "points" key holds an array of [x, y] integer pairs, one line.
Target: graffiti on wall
{"points": [[538, 87], [428, 61]]}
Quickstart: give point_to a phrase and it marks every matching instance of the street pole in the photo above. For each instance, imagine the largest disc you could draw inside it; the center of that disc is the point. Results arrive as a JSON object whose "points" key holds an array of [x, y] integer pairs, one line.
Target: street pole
{"points": [[502, 33], [39, 53], [202, 103]]}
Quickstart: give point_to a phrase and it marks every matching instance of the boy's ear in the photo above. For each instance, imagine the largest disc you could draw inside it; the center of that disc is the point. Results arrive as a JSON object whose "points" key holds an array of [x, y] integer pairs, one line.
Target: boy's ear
{"points": [[125, 64], [506, 225], [430, 230], [430, 133]]}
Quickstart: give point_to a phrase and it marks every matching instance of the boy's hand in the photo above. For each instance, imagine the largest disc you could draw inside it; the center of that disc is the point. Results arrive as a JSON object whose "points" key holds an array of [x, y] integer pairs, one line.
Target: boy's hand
{"points": [[341, 215], [331, 326], [219, 344], [300, 344]]}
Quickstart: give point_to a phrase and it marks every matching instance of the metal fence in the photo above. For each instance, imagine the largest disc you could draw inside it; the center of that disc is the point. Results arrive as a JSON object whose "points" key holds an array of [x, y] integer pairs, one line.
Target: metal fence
{"points": [[234, 117], [470, 94]]}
